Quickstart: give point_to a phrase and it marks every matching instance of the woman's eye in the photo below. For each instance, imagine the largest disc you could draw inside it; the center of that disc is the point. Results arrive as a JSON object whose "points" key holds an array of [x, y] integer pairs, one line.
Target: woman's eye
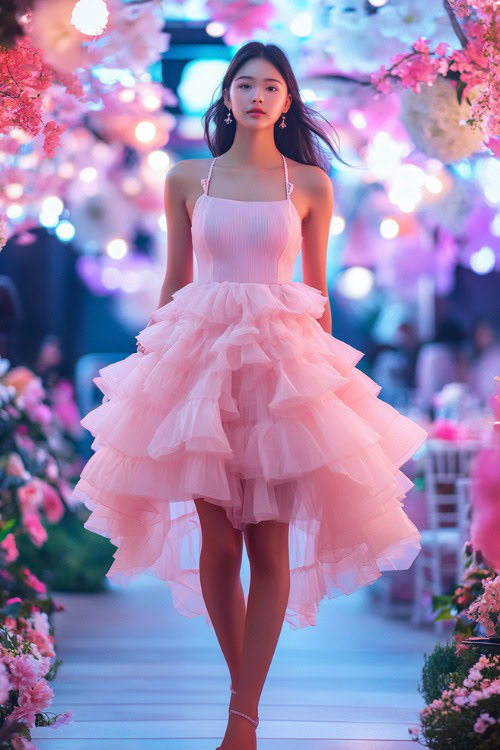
{"points": [[246, 84]]}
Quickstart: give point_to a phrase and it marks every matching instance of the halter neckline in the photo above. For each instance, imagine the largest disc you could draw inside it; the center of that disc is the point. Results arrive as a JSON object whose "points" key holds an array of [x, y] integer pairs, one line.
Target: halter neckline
{"points": [[205, 182]]}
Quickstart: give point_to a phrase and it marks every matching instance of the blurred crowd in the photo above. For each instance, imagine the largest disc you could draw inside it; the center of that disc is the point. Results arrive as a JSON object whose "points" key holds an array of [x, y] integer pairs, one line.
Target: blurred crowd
{"points": [[412, 372]]}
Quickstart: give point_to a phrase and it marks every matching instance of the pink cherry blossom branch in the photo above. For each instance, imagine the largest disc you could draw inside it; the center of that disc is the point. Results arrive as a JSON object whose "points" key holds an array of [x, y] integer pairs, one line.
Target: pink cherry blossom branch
{"points": [[454, 22]]}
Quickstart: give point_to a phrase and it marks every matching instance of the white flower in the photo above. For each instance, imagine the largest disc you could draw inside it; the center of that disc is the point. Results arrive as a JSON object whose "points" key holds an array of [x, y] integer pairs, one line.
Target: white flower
{"points": [[407, 20], [432, 120]]}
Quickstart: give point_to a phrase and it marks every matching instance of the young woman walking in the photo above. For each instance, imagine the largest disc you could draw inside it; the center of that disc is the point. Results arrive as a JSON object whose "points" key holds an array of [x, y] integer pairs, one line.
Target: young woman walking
{"points": [[241, 418]]}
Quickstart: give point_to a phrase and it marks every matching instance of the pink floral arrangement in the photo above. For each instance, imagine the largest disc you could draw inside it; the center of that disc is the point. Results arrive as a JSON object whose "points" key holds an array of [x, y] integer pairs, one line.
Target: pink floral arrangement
{"points": [[33, 492], [466, 715], [486, 608], [474, 68], [34, 486], [26, 649]]}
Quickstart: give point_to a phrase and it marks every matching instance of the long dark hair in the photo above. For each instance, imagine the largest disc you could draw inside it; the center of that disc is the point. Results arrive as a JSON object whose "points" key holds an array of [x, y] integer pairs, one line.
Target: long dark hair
{"points": [[299, 140]]}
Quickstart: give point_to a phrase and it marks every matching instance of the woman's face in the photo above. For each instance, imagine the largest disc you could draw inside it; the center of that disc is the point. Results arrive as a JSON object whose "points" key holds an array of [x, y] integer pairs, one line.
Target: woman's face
{"points": [[251, 87]]}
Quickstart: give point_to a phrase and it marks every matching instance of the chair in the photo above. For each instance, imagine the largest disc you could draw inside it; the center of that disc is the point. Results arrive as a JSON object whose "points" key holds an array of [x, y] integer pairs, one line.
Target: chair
{"points": [[446, 469]]}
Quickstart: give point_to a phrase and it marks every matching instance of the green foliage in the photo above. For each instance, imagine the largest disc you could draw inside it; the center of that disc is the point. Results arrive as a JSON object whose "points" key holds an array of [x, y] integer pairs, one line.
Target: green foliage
{"points": [[72, 559], [443, 666]]}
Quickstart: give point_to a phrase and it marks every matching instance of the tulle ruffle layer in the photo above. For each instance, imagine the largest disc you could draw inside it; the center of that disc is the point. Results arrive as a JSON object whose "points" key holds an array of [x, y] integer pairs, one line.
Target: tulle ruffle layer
{"points": [[243, 399]]}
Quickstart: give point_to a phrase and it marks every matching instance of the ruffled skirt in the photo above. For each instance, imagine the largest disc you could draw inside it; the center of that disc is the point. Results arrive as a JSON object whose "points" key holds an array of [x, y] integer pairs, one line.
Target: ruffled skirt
{"points": [[244, 400]]}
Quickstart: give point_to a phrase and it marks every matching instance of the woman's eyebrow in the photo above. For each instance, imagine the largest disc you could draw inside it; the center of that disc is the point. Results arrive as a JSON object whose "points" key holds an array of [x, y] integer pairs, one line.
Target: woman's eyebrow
{"points": [[264, 79]]}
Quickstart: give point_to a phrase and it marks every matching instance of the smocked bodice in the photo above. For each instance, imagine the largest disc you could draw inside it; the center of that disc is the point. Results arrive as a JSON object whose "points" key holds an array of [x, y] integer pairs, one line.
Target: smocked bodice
{"points": [[242, 241]]}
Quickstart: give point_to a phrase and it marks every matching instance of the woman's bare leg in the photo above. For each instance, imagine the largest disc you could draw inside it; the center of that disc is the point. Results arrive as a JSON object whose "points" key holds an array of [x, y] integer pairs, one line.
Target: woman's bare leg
{"points": [[267, 548], [220, 565]]}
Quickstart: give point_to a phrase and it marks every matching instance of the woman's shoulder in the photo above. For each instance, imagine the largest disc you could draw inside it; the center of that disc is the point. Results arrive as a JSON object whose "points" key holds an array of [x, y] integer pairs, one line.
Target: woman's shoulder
{"points": [[185, 172], [309, 172], [310, 179]]}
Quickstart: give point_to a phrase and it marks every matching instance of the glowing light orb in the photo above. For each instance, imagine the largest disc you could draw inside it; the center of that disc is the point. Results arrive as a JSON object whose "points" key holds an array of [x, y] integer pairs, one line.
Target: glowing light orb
{"points": [[53, 204], [389, 228], [433, 184], [88, 174], [355, 282], [126, 96], [117, 248], [158, 160], [145, 131], [215, 29], [48, 219], [90, 17], [337, 225], [14, 190], [483, 260], [151, 102], [65, 231], [302, 24], [358, 119], [14, 211]]}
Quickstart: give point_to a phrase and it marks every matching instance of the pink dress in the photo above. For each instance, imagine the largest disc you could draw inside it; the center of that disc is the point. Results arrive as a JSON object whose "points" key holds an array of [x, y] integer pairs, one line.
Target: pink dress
{"points": [[243, 399]]}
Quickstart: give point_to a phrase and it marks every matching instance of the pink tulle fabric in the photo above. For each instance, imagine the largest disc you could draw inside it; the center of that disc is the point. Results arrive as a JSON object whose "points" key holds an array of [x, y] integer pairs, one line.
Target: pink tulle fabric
{"points": [[243, 399]]}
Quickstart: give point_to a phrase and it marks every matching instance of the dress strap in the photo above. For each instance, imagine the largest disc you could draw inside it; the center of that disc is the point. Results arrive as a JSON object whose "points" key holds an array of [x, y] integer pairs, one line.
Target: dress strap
{"points": [[288, 185], [205, 181]]}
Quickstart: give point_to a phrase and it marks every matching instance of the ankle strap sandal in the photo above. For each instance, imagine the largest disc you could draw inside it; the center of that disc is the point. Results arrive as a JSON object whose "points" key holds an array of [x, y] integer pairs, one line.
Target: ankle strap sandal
{"points": [[255, 722]]}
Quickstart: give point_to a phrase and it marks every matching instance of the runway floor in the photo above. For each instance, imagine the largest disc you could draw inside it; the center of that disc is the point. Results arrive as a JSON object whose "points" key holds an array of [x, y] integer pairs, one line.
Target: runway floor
{"points": [[137, 675]]}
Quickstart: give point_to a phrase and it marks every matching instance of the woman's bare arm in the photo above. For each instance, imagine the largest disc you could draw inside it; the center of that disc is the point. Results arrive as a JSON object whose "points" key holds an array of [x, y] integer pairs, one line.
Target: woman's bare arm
{"points": [[315, 232], [179, 270]]}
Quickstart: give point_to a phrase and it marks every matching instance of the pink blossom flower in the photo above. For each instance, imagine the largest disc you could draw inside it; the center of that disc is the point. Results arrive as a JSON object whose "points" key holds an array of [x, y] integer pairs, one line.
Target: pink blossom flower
{"points": [[65, 718], [34, 582], [30, 495], [52, 469], [24, 671], [5, 684], [32, 701], [52, 135], [15, 466], [483, 722], [51, 504], [8, 544], [33, 526]]}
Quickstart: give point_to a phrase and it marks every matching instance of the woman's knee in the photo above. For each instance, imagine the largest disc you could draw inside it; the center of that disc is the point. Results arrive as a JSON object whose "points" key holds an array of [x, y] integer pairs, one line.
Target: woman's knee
{"points": [[267, 546], [219, 538]]}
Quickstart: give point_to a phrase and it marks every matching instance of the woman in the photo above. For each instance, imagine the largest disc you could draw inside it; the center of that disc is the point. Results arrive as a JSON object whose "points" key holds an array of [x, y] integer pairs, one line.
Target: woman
{"points": [[241, 417]]}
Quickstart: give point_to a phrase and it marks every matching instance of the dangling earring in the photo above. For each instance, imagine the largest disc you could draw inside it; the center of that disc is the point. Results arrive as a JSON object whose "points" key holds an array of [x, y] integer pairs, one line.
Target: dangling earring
{"points": [[228, 118], [282, 123]]}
